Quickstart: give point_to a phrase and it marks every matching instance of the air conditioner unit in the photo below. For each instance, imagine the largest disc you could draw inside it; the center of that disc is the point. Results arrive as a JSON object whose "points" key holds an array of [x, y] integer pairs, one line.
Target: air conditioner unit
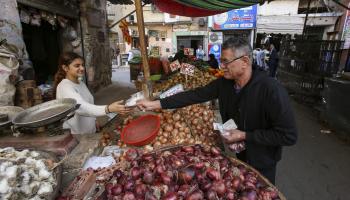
{"points": [[201, 22], [215, 38]]}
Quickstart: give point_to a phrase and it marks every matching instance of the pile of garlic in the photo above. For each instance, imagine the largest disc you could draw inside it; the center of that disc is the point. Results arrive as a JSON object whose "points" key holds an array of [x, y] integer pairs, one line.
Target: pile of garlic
{"points": [[24, 175]]}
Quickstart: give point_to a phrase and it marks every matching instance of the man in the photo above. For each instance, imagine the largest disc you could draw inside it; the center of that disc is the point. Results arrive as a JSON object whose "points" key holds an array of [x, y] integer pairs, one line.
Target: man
{"points": [[257, 103], [260, 59], [200, 53], [273, 61], [180, 55]]}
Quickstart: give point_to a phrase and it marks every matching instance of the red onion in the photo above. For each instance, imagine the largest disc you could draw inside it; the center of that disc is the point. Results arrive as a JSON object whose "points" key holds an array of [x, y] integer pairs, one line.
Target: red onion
{"points": [[116, 190], [249, 195], [219, 187], [236, 182], [109, 187], [135, 173], [211, 195], [170, 196], [150, 196], [186, 175], [183, 190], [199, 165], [129, 196], [165, 179], [230, 196], [148, 177], [212, 173], [131, 154], [160, 169], [140, 189], [129, 185], [196, 195]]}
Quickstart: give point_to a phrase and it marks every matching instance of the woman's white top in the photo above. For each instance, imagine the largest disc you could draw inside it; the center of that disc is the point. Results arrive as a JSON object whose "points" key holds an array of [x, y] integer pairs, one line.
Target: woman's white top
{"points": [[84, 120]]}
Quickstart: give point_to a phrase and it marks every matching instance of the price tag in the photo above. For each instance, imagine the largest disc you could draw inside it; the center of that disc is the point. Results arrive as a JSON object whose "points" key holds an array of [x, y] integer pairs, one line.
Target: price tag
{"points": [[173, 90], [187, 69], [175, 65]]}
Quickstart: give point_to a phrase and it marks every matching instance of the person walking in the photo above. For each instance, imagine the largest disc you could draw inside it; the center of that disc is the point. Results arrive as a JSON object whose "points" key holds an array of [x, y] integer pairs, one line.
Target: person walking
{"points": [[257, 103], [273, 61]]}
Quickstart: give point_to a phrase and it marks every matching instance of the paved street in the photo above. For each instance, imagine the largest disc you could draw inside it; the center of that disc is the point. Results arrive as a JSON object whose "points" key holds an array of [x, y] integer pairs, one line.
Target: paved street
{"points": [[317, 168]]}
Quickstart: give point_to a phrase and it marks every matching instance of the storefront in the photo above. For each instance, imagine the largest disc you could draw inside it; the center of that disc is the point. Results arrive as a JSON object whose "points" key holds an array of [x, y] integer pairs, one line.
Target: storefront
{"points": [[239, 23], [48, 28]]}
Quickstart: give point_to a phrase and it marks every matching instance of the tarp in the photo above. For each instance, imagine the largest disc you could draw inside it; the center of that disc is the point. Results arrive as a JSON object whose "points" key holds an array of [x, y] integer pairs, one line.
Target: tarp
{"points": [[199, 8], [281, 24]]}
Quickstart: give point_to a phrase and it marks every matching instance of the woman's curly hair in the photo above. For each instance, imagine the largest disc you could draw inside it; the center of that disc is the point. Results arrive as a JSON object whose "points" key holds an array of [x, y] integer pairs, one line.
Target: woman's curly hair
{"points": [[65, 59]]}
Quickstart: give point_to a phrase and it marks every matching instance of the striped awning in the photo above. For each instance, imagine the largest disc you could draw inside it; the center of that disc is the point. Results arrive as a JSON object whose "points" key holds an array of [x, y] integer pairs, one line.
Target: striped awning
{"points": [[199, 8]]}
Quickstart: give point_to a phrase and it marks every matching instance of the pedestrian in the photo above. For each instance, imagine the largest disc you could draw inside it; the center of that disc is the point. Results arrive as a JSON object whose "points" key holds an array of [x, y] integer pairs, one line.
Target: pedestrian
{"points": [[180, 54], [260, 59], [212, 62], [69, 84], [257, 103], [273, 61], [200, 53]]}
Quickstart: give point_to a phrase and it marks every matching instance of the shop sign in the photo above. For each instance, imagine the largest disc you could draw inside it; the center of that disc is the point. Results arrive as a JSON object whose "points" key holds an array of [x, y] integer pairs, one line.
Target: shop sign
{"points": [[180, 28], [346, 31], [216, 50], [243, 18]]}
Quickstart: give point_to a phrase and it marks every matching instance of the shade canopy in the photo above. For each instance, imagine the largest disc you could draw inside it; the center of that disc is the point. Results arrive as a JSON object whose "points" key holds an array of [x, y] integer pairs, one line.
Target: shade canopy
{"points": [[200, 8]]}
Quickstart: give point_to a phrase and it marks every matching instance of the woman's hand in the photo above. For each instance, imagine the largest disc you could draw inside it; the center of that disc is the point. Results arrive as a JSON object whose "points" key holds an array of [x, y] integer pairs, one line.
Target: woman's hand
{"points": [[118, 107], [145, 104]]}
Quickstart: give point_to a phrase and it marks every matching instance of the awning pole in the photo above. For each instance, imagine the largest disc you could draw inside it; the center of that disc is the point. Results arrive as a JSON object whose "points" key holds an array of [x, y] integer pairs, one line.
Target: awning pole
{"points": [[141, 28], [307, 14]]}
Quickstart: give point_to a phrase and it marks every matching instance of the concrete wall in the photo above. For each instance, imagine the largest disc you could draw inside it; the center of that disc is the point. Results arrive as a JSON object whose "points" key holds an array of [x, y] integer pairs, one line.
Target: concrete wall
{"points": [[279, 7], [96, 43]]}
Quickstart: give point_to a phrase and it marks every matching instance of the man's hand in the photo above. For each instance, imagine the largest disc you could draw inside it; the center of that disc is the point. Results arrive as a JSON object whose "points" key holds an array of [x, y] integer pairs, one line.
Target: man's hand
{"points": [[145, 104], [233, 135]]}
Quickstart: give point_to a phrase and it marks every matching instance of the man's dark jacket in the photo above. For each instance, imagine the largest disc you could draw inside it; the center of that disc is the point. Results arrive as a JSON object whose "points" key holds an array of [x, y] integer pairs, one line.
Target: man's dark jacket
{"points": [[261, 109]]}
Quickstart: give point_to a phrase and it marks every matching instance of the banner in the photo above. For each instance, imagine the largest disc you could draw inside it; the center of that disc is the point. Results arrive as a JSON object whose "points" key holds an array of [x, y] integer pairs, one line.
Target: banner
{"points": [[244, 18], [346, 30]]}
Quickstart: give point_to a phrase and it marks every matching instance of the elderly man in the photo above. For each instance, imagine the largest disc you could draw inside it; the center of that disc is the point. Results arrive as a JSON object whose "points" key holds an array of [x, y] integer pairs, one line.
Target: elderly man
{"points": [[257, 103]]}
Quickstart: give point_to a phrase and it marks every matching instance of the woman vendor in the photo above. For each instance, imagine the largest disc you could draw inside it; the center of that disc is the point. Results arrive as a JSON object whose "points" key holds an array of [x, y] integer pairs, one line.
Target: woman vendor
{"points": [[69, 84]]}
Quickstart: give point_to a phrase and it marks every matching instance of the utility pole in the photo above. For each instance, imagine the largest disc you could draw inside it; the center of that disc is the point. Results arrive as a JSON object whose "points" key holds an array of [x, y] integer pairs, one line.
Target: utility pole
{"points": [[307, 14]]}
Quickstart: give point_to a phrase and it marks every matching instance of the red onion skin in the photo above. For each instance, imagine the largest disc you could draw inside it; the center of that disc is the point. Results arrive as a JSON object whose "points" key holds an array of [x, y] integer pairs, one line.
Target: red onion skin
{"points": [[117, 189], [186, 175], [211, 195], [135, 173], [129, 185], [131, 154], [212, 174], [117, 173], [129, 196], [109, 187], [230, 196], [140, 189], [183, 190], [219, 187], [196, 195], [188, 149], [170, 196], [249, 195], [166, 179], [148, 177], [160, 169]]}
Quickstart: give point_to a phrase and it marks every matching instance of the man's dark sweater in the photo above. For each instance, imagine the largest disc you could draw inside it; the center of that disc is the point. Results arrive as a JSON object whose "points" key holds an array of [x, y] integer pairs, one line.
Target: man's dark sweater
{"points": [[261, 109]]}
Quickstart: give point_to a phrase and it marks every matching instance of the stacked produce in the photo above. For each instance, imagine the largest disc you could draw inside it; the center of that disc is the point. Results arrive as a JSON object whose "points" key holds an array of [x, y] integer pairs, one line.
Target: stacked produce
{"points": [[189, 125], [25, 175], [199, 79], [189, 172]]}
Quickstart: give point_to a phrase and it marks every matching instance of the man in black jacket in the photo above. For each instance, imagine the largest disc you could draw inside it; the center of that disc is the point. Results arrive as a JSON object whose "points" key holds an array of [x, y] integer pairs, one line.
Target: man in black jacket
{"points": [[257, 103]]}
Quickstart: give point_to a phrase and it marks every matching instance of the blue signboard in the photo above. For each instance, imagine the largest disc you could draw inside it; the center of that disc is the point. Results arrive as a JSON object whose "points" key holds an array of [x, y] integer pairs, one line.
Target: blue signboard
{"points": [[216, 50], [243, 18]]}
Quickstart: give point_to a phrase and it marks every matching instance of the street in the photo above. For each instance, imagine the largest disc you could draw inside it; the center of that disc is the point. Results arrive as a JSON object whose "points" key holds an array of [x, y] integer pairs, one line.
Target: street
{"points": [[317, 167]]}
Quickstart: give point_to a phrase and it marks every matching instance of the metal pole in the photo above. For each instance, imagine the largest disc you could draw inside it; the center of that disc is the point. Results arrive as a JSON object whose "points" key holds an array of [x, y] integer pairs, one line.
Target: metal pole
{"points": [[141, 28], [307, 14]]}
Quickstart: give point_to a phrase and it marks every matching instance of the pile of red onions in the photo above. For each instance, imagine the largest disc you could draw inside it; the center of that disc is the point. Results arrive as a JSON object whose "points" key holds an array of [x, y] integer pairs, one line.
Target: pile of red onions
{"points": [[189, 173]]}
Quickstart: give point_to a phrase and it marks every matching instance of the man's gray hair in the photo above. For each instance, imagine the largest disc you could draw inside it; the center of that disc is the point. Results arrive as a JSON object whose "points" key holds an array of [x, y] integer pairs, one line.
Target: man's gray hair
{"points": [[239, 46]]}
